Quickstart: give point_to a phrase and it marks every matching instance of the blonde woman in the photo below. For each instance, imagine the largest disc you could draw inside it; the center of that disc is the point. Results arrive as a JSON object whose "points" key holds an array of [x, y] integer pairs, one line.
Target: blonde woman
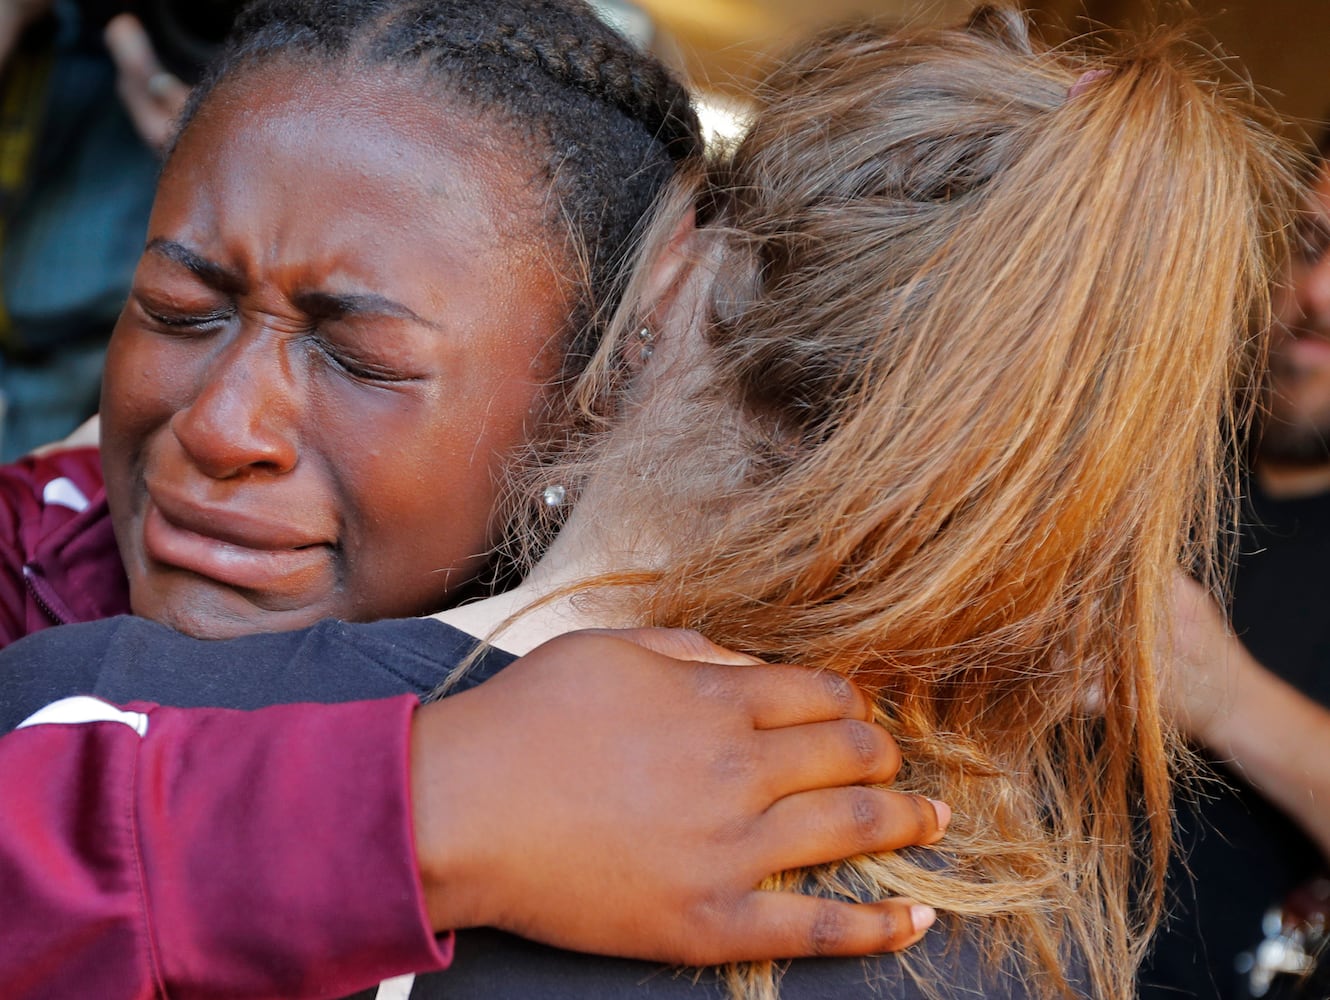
{"points": [[939, 401], [929, 385]]}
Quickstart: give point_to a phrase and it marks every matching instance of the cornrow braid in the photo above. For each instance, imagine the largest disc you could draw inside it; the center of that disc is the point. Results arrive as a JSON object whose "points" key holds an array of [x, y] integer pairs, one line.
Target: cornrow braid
{"points": [[641, 89], [602, 124]]}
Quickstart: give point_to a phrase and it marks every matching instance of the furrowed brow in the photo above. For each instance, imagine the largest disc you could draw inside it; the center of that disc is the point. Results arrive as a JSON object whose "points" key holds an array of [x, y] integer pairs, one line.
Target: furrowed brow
{"points": [[213, 274], [330, 305]]}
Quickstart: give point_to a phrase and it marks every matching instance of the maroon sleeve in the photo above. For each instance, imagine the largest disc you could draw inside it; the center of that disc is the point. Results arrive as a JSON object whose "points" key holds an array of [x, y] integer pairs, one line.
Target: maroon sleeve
{"points": [[58, 561], [157, 852]]}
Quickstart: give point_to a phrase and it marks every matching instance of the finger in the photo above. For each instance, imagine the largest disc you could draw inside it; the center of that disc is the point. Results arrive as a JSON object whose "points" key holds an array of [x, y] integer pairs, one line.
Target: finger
{"points": [[827, 755], [130, 48], [152, 96], [681, 644], [790, 925], [781, 695], [830, 824]]}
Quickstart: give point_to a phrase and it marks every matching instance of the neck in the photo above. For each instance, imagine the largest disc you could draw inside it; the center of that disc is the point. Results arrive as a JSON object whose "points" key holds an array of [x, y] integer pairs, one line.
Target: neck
{"points": [[1289, 482], [602, 534], [547, 602]]}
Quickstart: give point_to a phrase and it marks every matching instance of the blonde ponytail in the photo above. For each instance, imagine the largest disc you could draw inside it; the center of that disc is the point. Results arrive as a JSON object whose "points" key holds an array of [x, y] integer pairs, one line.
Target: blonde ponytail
{"points": [[981, 314]]}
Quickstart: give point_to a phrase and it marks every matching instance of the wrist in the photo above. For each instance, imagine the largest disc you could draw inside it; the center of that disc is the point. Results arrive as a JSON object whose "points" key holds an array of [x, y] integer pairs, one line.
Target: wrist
{"points": [[439, 767]]}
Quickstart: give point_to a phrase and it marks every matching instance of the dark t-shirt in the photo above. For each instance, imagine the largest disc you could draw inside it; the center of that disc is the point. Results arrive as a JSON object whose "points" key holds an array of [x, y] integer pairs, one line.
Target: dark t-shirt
{"points": [[125, 659], [490, 965], [1244, 855], [132, 659]]}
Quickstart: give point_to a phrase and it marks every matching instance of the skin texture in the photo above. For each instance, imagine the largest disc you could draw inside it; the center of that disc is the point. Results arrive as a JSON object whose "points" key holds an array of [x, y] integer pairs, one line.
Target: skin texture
{"points": [[313, 390]]}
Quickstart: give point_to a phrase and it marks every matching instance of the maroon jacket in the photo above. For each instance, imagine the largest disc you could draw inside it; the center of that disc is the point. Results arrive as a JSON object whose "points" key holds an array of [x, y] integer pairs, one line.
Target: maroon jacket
{"points": [[58, 559], [188, 853]]}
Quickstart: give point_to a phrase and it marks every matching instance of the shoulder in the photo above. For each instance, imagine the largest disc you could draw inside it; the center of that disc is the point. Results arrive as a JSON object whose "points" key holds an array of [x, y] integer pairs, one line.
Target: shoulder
{"points": [[52, 664], [39, 493], [58, 559]]}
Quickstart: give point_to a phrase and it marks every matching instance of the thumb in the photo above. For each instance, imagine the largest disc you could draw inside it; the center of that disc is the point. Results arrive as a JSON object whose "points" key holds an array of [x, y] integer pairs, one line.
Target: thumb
{"points": [[130, 48]]}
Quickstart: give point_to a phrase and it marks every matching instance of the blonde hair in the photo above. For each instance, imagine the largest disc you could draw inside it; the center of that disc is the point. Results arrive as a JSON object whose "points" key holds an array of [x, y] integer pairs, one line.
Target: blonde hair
{"points": [[978, 316]]}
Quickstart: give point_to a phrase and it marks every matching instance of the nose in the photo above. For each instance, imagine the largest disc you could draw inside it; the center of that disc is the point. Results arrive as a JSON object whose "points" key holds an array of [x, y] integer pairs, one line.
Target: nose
{"points": [[1313, 292], [243, 416]]}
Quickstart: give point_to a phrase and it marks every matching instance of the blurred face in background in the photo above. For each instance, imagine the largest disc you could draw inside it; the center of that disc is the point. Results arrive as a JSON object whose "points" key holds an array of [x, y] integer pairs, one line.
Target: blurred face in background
{"points": [[1296, 431]]}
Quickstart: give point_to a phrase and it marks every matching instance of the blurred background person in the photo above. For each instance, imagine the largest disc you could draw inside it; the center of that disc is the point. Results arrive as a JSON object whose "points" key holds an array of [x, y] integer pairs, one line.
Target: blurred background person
{"points": [[1245, 888], [85, 106]]}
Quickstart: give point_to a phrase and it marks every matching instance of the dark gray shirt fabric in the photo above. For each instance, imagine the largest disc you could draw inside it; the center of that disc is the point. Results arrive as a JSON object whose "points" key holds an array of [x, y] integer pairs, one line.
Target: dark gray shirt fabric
{"points": [[490, 965], [132, 659]]}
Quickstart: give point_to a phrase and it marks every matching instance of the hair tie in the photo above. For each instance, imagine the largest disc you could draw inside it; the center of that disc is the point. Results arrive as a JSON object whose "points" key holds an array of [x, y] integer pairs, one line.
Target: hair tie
{"points": [[1084, 80]]}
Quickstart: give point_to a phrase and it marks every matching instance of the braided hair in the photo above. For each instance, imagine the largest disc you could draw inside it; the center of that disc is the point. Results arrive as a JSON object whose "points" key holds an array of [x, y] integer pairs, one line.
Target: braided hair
{"points": [[602, 124]]}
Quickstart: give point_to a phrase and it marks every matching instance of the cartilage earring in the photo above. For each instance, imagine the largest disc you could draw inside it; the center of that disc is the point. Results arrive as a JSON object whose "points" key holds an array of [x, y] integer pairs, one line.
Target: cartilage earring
{"points": [[648, 341], [554, 496]]}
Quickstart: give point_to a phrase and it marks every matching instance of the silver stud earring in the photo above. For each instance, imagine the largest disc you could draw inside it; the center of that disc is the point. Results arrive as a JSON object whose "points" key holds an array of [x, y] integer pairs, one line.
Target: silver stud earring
{"points": [[554, 496], [648, 342]]}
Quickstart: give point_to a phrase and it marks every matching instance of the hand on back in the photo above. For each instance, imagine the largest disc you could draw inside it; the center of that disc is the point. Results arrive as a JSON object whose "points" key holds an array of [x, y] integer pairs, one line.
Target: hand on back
{"points": [[603, 796]]}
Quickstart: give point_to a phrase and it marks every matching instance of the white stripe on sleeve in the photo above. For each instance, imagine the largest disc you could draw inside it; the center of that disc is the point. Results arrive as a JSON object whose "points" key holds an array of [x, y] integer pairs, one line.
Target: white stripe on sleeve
{"points": [[64, 492], [82, 709], [397, 988]]}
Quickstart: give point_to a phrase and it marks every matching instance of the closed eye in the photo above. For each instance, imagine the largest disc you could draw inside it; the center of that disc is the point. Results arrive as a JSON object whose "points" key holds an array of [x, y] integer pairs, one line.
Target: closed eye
{"points": [[201, 322], [359, 368]]}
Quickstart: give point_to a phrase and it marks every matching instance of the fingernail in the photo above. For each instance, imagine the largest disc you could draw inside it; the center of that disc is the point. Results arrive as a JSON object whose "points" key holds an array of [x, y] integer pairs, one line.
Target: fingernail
{"points": [[922, 917], [943, 815]]}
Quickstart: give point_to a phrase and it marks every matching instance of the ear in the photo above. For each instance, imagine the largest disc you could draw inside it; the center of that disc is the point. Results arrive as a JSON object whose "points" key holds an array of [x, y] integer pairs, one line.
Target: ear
{"points": [[663, 277]]}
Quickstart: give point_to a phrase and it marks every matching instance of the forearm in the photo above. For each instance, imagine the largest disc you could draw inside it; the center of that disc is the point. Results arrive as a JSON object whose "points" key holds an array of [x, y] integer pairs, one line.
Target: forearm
{"points": [[1277, 740], [183, 862]]}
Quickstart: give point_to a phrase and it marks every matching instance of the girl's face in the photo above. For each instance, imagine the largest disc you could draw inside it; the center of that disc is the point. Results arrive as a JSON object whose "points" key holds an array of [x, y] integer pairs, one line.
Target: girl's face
{"points": [[337, 335]]}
